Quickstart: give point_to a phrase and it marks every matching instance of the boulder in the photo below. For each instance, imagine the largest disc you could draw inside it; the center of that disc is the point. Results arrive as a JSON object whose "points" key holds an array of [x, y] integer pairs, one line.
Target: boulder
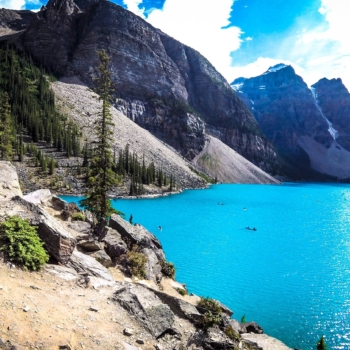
{"points": [[153, 267], [251, 327], [115, 246], [81, 230], [214, 339], [90, 245], [136, 234], [225, 309], [234, 324], [181, 308], [102, 257], [58, 241], [147, 309], [9, 184], [264, 341], [85, 264], [38, 197], [58, 203]]}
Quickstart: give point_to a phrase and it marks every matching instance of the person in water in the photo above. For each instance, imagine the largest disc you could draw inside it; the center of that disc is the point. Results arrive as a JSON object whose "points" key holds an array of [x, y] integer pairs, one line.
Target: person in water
{"points": [[160, 228]]}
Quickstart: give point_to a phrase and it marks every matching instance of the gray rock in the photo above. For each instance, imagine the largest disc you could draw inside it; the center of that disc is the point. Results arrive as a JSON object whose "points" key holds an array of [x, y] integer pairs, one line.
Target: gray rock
{"points": [[102, 257], [86, 264], [213, 338], [9, 184], [81, 230], [130, 347], [146, 307], [58, 241], [63, 272], [140, 341], [252, 327], [128, 332], [153, 267], [115, 246], [136, 234], [58, 203], [39, 196], [181, 308], [225, 309], [90, 245]]}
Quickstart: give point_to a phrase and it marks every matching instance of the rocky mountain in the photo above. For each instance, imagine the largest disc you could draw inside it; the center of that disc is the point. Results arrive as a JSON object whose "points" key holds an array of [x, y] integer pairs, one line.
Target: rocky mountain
{"points": [[291, 116], [162, 85], [334, 101]]}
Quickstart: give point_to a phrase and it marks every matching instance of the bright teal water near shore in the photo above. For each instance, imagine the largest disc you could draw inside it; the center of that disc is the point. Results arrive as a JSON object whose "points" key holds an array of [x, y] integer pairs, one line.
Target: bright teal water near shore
{"points": [[292, 275]]}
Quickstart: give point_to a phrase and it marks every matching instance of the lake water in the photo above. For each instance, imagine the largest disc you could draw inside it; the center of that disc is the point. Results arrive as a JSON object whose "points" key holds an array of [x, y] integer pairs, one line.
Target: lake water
{"points": [[292, 275]]}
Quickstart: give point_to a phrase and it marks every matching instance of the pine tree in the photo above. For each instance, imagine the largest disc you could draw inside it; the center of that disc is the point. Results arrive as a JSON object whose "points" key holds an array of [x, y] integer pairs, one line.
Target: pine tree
{"points": [[101, 178], [6, 128], [321, 344]]}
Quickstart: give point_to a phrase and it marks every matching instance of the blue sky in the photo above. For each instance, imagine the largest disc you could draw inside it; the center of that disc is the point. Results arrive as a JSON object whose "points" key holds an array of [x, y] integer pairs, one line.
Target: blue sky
{"points": [[245, 37]]}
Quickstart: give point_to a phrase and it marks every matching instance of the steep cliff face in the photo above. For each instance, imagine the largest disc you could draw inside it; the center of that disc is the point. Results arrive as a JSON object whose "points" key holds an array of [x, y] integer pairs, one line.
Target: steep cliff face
{"points": [[293, 120], [163, 85], [334, 101]]}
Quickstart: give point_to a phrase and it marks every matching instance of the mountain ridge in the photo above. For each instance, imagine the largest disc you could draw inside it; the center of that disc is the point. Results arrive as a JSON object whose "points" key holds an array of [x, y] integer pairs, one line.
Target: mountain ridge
{"points": [[159, 79], [291, 116]]}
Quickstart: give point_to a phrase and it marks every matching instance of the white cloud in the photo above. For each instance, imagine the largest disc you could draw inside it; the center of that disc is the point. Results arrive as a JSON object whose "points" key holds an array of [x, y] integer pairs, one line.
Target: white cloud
{"points": [[321, 51], [12, 4], [133, 6]]}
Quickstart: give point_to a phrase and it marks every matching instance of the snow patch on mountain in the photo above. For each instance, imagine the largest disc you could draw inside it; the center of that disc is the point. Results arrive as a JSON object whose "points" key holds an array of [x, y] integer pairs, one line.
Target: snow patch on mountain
{"points": [[276, 68]]}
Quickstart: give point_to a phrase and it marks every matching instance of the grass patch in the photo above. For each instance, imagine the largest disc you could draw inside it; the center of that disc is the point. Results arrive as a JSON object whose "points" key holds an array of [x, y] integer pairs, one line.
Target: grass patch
{"points": [[209, 304], [203, 176], [137, 262], [168, 269], [78, 217]]}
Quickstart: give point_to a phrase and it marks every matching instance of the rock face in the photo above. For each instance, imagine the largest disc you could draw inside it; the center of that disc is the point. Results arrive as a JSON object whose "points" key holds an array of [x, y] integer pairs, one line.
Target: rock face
{"points": [[9, 185], [139, 236], [146, 307], [290, 117], [334, 101], [162, 85]]}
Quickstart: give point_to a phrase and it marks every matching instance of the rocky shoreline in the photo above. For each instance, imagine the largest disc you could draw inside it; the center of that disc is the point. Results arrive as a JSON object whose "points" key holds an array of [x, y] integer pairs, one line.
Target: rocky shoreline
{"points": [[105, 305]]}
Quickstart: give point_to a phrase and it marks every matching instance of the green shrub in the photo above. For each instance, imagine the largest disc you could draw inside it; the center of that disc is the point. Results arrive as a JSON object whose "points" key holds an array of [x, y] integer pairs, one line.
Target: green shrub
{"points": [[210, 319], [78, 217], [182, 291], [21, 243], [137, 263], [168, 268], [209, 304], [243, 319], [232, 334]]}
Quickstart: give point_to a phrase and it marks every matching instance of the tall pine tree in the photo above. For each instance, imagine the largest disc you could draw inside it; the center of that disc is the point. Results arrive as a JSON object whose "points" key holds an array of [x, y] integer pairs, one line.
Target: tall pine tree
{"points": [[101, 177], [6, 128]]}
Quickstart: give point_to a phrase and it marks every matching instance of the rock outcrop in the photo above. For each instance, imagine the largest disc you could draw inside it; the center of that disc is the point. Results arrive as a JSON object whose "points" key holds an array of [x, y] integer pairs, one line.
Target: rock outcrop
{"points": [[58, 242], [162, 85], [9, 184], [289, 115]]}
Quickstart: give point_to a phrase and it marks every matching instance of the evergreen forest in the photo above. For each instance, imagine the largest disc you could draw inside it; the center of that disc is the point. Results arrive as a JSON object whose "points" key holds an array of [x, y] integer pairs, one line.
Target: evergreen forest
{"points": [[29, 119]]}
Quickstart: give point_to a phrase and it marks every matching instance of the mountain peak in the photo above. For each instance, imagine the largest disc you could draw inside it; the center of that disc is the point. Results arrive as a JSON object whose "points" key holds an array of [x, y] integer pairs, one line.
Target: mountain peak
{"points": [[277, 67]]}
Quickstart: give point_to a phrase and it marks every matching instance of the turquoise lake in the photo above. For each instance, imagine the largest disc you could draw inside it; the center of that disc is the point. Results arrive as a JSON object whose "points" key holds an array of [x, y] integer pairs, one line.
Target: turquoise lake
{"points": [[292, 275]]}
